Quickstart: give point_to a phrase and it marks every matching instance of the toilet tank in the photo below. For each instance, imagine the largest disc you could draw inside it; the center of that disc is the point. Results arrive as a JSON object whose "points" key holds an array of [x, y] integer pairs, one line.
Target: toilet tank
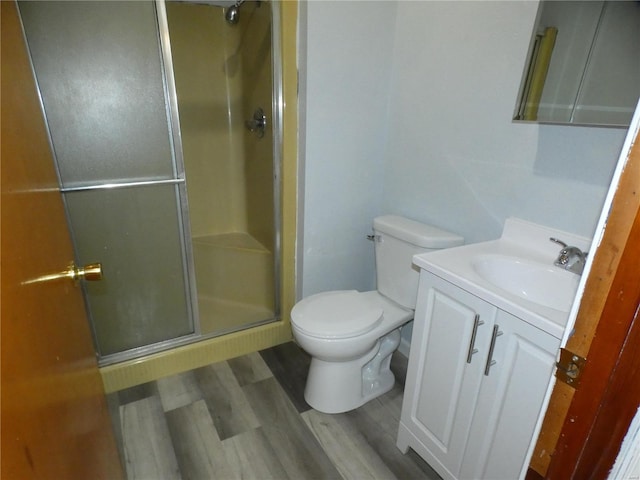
{"points": [[397, 240]]}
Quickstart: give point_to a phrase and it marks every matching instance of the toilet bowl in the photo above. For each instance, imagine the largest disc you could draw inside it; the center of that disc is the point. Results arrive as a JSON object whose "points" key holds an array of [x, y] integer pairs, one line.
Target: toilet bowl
{"points": [[351, 335], [359, 333]]}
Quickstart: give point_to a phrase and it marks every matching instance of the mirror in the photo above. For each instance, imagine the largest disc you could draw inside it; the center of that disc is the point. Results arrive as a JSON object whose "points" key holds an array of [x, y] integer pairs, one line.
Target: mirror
{"points": [[584, 64]]}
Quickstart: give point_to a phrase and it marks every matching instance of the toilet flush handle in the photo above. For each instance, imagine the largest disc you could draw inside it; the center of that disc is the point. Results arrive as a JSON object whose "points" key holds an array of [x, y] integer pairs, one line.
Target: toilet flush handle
{"points": [[373, 237]]}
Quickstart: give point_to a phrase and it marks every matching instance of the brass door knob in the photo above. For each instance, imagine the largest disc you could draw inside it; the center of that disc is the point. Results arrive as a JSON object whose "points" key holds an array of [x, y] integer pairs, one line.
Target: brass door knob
{"points": [[91, 272]]}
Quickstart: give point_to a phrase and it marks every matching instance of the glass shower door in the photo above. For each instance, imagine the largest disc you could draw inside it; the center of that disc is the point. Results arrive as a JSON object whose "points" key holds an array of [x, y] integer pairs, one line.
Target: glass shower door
{"points": [[101, 78]]}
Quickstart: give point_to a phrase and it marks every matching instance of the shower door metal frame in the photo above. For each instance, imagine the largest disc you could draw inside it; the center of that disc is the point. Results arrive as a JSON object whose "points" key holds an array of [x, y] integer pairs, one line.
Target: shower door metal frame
{"points": [[173, 121], [174, 125], [277, 106]]}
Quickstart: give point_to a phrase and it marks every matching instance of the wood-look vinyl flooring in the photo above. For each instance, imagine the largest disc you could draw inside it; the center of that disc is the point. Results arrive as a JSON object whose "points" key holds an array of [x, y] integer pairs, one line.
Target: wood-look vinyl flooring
{"points": [[246, 418]]}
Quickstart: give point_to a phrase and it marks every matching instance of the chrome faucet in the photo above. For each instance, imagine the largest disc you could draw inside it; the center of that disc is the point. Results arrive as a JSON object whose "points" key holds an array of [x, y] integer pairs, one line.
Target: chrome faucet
{"points": [[570, 258]]}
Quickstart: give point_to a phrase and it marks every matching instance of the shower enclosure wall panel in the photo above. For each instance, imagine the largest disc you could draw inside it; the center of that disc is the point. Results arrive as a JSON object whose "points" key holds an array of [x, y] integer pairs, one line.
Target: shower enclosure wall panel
{"points": [[257, 87], [200, 43], [233, 252]]}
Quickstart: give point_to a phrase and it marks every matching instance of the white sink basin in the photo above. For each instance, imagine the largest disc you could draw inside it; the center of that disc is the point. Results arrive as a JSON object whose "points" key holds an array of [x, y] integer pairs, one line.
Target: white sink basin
{"points": [[543, 284], [514, 273]]}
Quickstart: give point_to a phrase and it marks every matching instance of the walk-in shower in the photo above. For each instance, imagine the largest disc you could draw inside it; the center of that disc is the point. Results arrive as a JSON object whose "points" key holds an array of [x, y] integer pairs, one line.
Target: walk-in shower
{"points": [[165, 122], [223, 76]]}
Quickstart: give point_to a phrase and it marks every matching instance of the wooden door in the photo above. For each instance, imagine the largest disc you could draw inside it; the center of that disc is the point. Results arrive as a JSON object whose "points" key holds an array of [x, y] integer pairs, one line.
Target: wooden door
{"points": [[55, 422], [609, 393]]}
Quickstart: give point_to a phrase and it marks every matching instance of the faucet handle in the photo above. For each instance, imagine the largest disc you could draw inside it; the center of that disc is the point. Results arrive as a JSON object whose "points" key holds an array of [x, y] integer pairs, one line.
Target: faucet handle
{"points": [[572, 249], [570, 258], [558, 241]]}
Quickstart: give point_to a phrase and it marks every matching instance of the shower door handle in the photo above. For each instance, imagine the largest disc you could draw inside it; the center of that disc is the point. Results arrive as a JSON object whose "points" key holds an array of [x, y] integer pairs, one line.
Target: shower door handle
{"points": [[258, 123]]}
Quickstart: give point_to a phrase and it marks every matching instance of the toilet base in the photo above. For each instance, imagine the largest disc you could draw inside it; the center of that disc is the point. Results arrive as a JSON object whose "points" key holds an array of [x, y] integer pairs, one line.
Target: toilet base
{"points": [[336, 387]]}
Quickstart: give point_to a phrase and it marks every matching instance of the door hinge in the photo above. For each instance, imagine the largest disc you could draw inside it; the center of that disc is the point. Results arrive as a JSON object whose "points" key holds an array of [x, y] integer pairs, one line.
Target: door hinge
{"points": [[569, 367]]}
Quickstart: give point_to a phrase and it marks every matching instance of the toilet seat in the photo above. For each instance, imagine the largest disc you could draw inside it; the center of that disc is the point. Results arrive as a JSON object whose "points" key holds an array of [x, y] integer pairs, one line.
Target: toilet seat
{"points": [[337, 314]]}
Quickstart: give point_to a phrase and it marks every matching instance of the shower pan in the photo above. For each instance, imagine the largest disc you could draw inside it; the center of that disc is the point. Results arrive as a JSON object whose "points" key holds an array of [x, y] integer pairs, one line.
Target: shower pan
{"points": [[168, 177]]}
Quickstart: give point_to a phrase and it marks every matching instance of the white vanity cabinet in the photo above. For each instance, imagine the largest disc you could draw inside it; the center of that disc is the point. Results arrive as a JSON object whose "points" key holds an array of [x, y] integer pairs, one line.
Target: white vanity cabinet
{"points": [[475, 384]]}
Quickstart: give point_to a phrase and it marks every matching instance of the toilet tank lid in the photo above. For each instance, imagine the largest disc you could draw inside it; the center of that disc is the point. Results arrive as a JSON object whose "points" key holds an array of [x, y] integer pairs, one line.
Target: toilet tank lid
{"points": [[416, 233]]}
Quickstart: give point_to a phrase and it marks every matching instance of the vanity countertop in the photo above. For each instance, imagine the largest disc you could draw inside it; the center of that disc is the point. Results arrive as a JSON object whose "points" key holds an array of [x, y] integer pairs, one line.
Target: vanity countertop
{"points": [[519, 240]]}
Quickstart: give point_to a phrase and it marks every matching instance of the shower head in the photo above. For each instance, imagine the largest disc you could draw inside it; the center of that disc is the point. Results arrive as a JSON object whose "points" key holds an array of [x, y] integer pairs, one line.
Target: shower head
{"points": [[232, 14]]}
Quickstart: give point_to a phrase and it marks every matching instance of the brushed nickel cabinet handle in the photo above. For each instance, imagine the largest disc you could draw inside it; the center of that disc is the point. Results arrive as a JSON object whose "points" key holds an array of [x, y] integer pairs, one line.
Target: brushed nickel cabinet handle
{"points": [[476, 323], [490, 361]]}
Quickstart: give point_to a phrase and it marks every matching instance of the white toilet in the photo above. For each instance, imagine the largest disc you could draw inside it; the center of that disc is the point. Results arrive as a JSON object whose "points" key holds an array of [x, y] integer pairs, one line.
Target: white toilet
{"points": [[351, 335]]}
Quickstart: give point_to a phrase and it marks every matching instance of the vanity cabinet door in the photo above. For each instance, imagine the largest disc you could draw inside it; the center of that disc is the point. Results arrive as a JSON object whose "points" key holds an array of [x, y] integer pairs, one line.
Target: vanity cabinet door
{"points": [[451, 334], [510, 398]]}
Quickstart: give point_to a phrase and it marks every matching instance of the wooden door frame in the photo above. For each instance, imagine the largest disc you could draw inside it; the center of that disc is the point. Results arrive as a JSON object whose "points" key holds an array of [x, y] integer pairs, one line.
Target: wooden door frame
{"points": [[601, 409]]}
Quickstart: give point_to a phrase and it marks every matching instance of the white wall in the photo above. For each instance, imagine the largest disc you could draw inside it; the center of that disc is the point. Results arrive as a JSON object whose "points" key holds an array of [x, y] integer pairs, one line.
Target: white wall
{"points": [[454, 156], [446, 151], [346, 83]]}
